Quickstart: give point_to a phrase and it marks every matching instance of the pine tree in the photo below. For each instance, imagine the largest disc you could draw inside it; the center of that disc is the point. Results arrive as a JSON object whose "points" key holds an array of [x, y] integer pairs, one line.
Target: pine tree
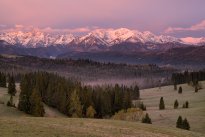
{"points": [[185, 124], [2, 80], [11, 86], [187, 104], [11, 90], [127, 100], [36, 108], [26, 87], [179, 122], [147, 119], [90, 113], [117, 99], [75, 108], [176, 104], [180, 90], [161, 104]]}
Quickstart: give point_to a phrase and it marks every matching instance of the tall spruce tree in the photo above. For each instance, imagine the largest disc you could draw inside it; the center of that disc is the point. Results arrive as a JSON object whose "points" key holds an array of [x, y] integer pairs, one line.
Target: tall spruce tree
{"points": [[36, 108], [26, 87], [161, 104], [11, 90], [11, 86], [127, 100], [75, 107], [2, 80]]}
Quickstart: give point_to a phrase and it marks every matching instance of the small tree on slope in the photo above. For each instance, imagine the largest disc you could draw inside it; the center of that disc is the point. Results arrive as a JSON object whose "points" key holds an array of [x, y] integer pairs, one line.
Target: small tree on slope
{"points": [[161, 104]]}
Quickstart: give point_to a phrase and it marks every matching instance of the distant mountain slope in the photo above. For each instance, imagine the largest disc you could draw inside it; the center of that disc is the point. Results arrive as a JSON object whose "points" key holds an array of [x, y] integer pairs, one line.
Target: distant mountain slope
{"points": [[138, 53], [175, 56]]}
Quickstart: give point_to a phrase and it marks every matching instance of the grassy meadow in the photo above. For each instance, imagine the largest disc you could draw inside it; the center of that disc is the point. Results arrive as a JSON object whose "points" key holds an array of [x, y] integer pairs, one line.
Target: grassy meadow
{"points": [[54, 124], [168, 117]]}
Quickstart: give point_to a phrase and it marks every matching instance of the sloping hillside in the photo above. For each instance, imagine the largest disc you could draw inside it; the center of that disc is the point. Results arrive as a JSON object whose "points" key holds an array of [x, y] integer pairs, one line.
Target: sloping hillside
{"points": [[168, 117], [16, 123]]}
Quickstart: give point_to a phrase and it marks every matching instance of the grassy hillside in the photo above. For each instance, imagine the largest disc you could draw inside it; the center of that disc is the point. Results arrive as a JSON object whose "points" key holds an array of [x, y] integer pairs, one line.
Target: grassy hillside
{"points": [[8, 111], [168, 117], [70, 127], [16, 123]]}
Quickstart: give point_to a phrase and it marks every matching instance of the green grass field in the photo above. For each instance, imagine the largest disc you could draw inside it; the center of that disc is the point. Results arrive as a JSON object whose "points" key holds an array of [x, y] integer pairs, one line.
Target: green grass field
{"points": [[14, 123]]}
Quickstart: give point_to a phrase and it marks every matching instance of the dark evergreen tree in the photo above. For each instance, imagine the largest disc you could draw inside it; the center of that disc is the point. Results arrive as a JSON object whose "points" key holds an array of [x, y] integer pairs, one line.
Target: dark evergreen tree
{"points": [[11, 90], [180, 90], [179, 122], [185, 124], [147, 119], [161, 104], [26, 87], [187, 104], [11, 86], [2, 80], [176, 104], [36, 104], [127, 100]]}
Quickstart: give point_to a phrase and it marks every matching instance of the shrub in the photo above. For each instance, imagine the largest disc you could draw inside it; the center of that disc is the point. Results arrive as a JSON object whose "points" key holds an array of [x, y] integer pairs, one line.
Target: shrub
{"points": [[132, 114], [90, 113]]}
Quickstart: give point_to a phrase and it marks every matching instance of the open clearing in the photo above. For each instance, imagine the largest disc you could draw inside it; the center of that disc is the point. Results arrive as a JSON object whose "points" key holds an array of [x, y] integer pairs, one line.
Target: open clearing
{"points": [[16, 123]]}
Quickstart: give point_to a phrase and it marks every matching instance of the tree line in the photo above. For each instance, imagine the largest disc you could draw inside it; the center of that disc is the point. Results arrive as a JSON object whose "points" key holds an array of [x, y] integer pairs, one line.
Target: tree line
{"points": [[3, 80], [71, 97], [188, 77]]}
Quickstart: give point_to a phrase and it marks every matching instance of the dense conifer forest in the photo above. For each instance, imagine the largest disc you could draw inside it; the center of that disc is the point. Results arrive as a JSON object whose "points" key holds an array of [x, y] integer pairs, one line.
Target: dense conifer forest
{"points": [[188, 77], [71, 97]]}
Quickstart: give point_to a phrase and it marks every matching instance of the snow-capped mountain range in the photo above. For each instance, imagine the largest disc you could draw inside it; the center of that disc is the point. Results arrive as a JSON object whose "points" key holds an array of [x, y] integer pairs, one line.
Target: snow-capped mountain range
{"points": [[105, 37]]}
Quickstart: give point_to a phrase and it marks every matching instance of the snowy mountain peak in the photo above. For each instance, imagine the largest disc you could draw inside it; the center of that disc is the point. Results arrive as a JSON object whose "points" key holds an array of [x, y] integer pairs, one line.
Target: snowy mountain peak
{"points": [[35, 38], [106, 37], [193, 41]]}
